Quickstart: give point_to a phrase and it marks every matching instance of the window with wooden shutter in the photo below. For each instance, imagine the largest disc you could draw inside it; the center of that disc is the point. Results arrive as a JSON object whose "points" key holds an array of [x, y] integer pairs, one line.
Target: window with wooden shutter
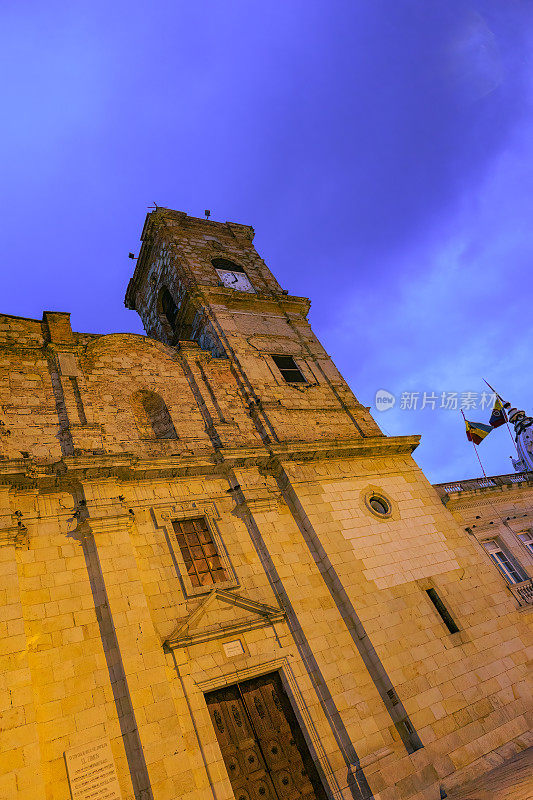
{"points": [[289, 369], [199, 552]]}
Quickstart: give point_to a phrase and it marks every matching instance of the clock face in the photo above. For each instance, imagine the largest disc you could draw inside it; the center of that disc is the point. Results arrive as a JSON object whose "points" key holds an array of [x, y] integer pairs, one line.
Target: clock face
{"points": [[235, 280]]}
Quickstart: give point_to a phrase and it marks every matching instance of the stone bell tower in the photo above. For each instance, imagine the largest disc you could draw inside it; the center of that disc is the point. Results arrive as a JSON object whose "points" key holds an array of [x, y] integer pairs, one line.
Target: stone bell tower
{"points": [[203, 281]]}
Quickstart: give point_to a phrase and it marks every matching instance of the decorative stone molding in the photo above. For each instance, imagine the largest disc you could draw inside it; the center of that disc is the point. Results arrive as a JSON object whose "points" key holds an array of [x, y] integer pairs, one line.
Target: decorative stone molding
{"points": [[259, 502], [190, 631], [203, 461], [256, 491], [110, 524], [166, 514], [16, 536]]}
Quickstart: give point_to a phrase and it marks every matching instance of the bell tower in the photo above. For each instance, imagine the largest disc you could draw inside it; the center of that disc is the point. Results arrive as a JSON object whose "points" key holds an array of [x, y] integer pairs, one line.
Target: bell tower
{"points": [[203, 281]]}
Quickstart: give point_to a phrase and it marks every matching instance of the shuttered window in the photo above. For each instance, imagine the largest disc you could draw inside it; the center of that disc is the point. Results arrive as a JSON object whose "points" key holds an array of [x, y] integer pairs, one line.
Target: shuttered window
{"points": [[289, 369], [199, 552], [527, 540], [510, 569]]}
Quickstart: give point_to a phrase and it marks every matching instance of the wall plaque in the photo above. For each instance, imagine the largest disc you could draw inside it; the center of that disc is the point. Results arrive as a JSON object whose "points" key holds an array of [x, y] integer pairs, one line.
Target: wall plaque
{"points": [[91, 772], [233, 648]]}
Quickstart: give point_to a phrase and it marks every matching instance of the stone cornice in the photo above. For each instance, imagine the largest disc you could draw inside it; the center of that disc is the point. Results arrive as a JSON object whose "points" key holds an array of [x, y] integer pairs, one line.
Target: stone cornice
{"points": [[16, 466], [466, 498], [319, 450], [363, 447], [257, 302], [128, 466]]}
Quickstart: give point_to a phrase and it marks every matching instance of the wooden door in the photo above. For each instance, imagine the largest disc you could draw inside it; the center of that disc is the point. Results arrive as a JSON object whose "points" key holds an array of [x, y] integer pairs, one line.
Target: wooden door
{"points": [[263, 747]]}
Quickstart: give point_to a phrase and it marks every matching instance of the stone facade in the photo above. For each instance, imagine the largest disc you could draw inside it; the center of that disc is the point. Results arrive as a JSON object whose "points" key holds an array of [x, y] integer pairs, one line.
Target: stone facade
{"points": [[325, 532]]}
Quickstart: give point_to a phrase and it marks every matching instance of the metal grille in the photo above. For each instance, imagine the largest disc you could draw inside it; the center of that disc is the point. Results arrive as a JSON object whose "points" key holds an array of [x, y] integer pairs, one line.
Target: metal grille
{"points": [[199, 552]]}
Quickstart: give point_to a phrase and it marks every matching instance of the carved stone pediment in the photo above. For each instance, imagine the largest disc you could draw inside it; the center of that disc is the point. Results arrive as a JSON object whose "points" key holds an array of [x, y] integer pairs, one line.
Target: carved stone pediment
{"points": [[220, 614]]}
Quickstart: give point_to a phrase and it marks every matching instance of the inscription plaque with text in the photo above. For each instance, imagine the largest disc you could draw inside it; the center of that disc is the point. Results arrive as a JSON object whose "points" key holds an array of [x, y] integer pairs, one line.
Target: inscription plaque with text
{"points": [[91, 772], [233, 648]]}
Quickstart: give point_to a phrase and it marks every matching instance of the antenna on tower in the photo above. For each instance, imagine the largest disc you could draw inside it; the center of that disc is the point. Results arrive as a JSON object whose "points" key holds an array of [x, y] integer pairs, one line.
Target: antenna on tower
{"points": [[207, 213]]}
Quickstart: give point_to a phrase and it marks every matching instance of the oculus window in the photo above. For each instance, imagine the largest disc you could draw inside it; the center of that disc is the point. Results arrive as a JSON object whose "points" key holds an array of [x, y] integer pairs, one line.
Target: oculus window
{"points": [[380, 505]]}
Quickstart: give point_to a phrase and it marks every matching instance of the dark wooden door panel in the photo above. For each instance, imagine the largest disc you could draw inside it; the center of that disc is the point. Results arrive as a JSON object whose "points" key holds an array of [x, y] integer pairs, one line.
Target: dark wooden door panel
{"points": [[242, 755], [261, 741]]}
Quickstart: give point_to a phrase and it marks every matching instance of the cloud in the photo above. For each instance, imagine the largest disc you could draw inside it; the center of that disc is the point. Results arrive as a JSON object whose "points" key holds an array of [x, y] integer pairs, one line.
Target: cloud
{"points": [[474, 59], [463, 314]]}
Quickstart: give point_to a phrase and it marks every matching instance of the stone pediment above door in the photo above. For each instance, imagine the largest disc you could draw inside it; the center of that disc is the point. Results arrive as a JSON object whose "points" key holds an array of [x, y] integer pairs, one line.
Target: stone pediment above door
{"points": [[220, 614]]}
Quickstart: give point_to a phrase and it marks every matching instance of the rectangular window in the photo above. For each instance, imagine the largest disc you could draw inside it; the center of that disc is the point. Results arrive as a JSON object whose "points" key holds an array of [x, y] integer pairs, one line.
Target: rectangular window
{"points": [[510, 569], [289, 369], [442, 610], [199, 552], [527, 540]]}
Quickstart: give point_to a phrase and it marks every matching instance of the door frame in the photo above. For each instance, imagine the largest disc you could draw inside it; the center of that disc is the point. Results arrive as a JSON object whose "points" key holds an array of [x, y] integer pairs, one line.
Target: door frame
{"points": [[299, 706]]}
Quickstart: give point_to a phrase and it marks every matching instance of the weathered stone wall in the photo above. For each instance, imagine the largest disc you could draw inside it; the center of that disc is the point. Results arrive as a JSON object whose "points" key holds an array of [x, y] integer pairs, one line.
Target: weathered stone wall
{"points": [[465, 691], [247, 328], [104, 635], [29, 419], [100, 586]]}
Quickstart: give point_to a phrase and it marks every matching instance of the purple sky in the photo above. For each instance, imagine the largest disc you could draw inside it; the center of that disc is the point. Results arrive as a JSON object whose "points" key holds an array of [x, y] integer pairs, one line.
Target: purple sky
{"points": [[382, 149]]}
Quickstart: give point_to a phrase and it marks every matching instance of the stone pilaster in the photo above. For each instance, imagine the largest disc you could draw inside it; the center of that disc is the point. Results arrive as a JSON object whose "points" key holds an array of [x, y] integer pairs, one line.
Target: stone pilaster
{"points": [[312, 619], [20, 756], [156, 750]]}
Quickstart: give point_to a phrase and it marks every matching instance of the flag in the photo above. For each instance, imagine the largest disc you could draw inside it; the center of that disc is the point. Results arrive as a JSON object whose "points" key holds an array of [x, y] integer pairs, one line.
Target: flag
{"points": [[497, 417], [476, 431]]}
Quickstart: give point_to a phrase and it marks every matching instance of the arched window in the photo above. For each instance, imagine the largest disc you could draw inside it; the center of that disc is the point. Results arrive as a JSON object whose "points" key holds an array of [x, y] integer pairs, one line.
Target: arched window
{"points": [[168, 307], [152, 416]]}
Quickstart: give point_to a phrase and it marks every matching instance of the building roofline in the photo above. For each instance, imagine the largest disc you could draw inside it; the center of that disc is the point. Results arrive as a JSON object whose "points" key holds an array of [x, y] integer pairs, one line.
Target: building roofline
{"points": [[455, 489]]}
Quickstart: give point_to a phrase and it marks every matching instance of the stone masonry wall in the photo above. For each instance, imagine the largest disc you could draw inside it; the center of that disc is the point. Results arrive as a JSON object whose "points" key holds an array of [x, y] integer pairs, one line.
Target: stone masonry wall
{"points": [[106, 637]]}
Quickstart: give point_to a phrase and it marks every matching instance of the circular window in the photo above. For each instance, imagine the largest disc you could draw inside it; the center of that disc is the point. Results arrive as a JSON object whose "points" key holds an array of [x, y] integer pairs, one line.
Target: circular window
{"points": [[379, 505]]}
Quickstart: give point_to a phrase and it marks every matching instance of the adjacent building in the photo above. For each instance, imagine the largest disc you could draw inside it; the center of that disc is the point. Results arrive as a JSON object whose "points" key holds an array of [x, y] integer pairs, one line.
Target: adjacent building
{"points": [[497, 512]]}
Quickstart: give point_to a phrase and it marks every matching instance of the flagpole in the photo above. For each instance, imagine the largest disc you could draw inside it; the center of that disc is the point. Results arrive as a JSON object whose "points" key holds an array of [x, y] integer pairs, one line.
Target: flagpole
{"points": [[475, 448], [505, 418], [492, 389]]}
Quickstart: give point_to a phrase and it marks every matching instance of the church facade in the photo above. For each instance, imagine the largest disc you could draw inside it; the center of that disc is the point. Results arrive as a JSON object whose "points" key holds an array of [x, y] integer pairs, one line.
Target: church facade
{"points": [[219, 578]]}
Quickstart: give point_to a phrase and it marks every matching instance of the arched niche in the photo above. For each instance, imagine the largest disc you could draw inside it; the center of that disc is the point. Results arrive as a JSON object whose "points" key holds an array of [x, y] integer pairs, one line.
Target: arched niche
{"points": [[167, 311], [152, 416]]}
